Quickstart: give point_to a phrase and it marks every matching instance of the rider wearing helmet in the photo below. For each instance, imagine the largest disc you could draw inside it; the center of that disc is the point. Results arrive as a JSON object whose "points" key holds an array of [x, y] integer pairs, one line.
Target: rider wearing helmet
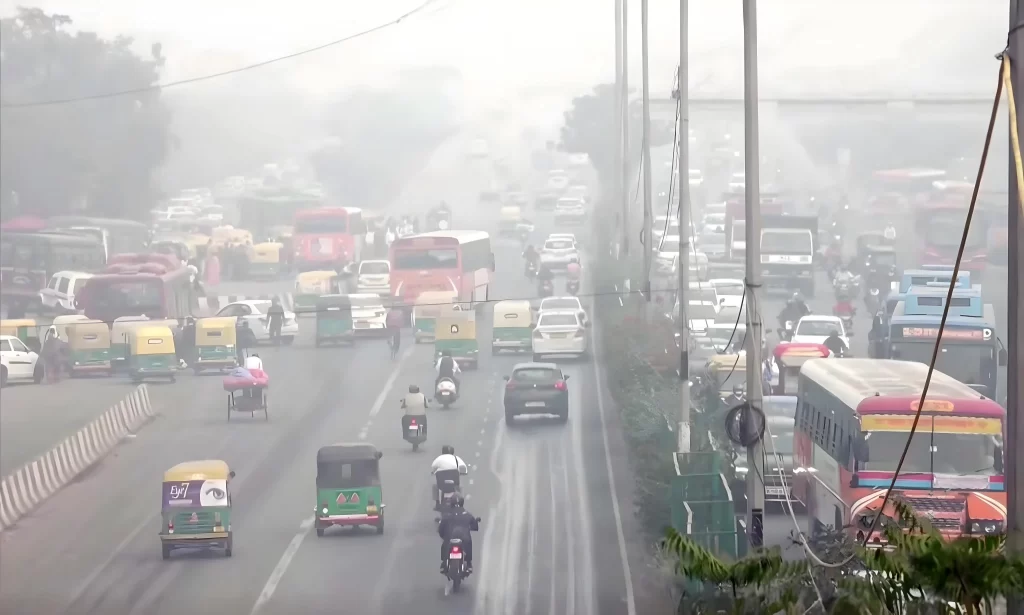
{"points": [[415, 405], [736, 398], [531, 255], [458, 523], [451, 465], [795, 310], [835, 343]]}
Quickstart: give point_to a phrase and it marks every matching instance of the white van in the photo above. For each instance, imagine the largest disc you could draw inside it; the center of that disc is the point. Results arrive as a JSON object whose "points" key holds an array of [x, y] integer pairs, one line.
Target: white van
{"points": [[59, 294], [374, 277]]}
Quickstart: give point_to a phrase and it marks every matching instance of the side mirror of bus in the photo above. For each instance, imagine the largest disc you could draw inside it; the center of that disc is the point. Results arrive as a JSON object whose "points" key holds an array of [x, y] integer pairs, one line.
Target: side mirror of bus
{"points": [[379, 454], [1003, 357], [231, 474]]}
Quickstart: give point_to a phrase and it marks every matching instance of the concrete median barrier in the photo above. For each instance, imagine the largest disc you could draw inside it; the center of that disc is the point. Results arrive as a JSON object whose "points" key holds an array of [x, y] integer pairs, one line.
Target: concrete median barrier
{"points": [[31, 485]]}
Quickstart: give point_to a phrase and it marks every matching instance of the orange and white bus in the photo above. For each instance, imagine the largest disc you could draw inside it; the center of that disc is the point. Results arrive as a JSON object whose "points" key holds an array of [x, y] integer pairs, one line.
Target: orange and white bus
{"points": [[459, 261], [853, 419], [327, 237]]}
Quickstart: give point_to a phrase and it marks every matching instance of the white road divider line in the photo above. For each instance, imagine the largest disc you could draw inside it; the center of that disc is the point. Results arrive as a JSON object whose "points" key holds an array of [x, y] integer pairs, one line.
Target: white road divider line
{"points": [[37, 481]]}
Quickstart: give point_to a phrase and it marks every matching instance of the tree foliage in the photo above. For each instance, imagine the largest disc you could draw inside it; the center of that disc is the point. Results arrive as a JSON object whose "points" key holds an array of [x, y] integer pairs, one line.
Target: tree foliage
{"points": [[98, 154], [591, 125], [381, 136]]}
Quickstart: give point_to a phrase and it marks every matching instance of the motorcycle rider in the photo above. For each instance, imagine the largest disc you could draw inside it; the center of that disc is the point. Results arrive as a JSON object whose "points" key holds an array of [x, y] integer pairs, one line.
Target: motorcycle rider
{"points": [[843, 283], [447, 368], [447, 462], [835, 343], [794, 310], [572, 273], [532, 257], [545, 276], [736, 398], [459, 523], [415, 405], [890, 232]]}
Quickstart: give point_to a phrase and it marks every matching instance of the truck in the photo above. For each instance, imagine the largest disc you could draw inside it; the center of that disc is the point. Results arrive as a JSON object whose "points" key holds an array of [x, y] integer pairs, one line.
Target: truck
{"points": [[788, 246], [736, 225]]}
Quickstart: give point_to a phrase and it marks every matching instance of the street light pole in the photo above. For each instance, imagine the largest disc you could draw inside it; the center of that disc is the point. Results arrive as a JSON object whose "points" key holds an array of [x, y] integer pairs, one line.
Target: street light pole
{"points": [[645, 159], [683, 262]]}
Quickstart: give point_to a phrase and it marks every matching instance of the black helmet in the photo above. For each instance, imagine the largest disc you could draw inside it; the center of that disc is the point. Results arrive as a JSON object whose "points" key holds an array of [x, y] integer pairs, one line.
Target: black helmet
{"points": [[458, 501], [447, 449], [413, 388], [446, 353]]}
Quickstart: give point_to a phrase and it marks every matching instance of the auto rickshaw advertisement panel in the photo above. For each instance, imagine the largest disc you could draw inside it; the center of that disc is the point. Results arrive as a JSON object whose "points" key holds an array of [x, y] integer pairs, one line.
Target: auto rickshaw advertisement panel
{"points": [[196, 506], [513, 326]]}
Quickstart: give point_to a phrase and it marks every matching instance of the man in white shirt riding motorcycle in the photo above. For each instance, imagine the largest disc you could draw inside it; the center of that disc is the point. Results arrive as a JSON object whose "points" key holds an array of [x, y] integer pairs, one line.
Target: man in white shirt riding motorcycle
{"points": [[447, 368], [415, 405], [451, 466]]}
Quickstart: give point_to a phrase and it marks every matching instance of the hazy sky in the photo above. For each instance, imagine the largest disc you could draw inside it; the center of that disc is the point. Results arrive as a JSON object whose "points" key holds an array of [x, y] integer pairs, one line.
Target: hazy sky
{"points": [[807, 46]]}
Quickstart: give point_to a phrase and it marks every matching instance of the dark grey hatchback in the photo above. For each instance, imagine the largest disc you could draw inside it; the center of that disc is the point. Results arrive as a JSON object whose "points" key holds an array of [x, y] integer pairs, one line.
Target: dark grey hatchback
{"points": [[536, 388]]}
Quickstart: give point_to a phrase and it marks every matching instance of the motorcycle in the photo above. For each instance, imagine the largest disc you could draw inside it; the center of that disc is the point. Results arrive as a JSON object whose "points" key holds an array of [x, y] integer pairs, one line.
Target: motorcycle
{"points": [[873, 300], [547, 288], [786, 332], [531, 268], [845, 310], [456, 569], [446, 392], [414, 431], [572, 286]]}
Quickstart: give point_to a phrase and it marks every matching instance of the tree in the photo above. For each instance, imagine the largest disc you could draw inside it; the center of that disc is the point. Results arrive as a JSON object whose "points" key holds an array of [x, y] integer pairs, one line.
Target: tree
{"points": [[591, 123], [98, 154], [383, 136]]}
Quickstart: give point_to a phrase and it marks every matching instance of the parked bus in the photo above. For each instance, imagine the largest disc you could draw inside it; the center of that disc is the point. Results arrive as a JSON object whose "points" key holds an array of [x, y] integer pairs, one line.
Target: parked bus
{"points": [[328, 237], [28, 260], [852, 422], [152, 285], [119, 236], [971, 351], [459, 261]]}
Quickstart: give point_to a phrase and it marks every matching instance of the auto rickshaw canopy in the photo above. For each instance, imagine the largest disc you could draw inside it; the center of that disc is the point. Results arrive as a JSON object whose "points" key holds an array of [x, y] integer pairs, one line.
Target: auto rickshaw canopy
{"points": [[315, 281], [206, 469], [19, 327], [266, 252], [512, 314], [455, 326], [88, 334]]}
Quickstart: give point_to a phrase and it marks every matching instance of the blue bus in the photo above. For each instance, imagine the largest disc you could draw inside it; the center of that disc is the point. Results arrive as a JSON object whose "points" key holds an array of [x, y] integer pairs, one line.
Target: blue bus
{"points": [[971, 351]]}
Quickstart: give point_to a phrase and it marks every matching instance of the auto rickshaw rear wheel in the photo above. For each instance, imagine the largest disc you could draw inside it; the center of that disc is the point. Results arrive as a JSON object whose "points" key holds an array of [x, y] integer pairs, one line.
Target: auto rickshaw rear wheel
{"points": [[380, 526], [319, 532]]}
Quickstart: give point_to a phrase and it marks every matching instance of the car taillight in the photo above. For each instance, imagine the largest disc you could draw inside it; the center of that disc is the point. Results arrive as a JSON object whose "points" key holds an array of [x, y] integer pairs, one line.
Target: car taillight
{"points": [[170, 525], [560, 385]]}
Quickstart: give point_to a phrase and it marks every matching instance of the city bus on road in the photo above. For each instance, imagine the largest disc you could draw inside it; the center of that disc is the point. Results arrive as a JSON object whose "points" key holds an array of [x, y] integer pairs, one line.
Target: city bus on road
{"points": [[853, 419], [327, 237], [152, 285], [28, 260], [459, 261], [971, 351], [895, 190], [939, 223]]}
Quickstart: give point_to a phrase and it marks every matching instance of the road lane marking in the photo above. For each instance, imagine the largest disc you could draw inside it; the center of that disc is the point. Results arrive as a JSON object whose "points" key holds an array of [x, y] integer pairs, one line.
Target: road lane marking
{"points": [[616, 512], [282, 565]]}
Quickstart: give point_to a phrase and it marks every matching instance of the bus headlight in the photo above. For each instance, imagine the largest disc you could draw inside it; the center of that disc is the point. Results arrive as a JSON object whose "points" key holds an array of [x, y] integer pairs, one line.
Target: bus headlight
{"points": [[986, 527]]}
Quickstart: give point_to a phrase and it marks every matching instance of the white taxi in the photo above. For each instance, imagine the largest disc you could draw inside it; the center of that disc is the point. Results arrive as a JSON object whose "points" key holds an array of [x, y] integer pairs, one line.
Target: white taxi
{"points": [[368, 314], [254, 311], [558, 253], [374, 277], [559, 333], [18, 362], [564, 304]]}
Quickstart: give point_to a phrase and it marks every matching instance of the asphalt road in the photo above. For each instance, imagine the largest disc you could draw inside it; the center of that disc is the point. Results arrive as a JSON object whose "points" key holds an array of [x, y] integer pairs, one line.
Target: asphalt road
{"points": [[550, 539]]}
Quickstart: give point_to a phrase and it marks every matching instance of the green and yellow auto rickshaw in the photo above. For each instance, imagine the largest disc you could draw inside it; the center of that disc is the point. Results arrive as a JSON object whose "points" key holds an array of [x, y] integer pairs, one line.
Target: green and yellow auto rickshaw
{"points": [[196, 511], [334, 320], [456, 333], [89, 345], [25, 329], [120, 334], [265, 259], [428, 307], [348, 491], [215, 344], [61, 323], [151, 353], [509, 221], [513, 328], [310, 285]]}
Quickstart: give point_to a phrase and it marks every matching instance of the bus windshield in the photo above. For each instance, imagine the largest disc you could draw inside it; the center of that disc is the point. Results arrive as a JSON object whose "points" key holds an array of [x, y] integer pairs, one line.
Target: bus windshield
{"points": [[968, 363], [956, 454], [436, 258], [322, 224]]}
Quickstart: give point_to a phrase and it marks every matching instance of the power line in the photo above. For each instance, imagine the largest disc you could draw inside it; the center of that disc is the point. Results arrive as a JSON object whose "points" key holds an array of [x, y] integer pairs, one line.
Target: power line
{"points": [[164, 86]]}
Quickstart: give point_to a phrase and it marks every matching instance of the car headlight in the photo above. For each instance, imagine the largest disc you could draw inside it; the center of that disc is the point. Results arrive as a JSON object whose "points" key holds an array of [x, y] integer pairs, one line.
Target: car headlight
{"points": [[986, 527]]}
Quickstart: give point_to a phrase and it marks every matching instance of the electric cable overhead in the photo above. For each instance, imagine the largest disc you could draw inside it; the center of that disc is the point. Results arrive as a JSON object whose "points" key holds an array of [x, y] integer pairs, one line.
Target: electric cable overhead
{"points": [[241, 69]]}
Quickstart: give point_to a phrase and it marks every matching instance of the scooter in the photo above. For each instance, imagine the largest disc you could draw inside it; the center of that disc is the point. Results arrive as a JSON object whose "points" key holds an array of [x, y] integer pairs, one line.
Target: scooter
{"points": [[547, 288], [845, 311], [414, 430], [531, 268], [572, 286], [446, 392]]}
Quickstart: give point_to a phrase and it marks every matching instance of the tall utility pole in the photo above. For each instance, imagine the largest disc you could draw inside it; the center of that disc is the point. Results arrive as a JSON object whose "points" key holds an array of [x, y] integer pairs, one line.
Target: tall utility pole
{"points": [[646, 156], [626, 151], [1015, 318], [620, 147], [752, 197], [683, 134]]}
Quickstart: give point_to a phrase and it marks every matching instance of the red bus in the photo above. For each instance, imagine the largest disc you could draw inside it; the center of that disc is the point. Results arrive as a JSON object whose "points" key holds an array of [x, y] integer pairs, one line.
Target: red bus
{"points": [[327, 237], [852, 423], [153, 285], [940, 222], [895, 190], [459, 261]]}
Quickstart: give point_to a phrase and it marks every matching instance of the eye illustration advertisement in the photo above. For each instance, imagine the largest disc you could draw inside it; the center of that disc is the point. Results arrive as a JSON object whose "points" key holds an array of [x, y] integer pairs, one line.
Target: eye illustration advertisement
{"points": [[213, 493]]}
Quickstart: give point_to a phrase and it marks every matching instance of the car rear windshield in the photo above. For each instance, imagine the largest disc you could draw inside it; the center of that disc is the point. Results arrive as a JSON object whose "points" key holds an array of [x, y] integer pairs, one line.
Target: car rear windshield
{"points": [[372, 268], [560, 304], [558, 245], [537, 374], [558, 320]]}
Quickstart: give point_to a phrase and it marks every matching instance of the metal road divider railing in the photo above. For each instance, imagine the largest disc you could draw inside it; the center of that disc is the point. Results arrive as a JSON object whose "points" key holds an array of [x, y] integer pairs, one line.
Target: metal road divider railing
{"points": [[24, 490]]}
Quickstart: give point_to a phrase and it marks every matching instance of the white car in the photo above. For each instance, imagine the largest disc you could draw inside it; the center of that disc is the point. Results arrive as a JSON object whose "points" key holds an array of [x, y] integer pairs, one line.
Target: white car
{"points": [[570, 236], [704, 292], [558, 253], [815, 328], [564, 304], [59, 294], [738, 182], [559, 332], [368, 314], [254, 311], [666, 255], [718, 338], [700, 315], [479, 149], [663, 226], [698, 265], [374, 277], [18, 362], [714, 223], [730, 291], [570, 211], [558, 181]]}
